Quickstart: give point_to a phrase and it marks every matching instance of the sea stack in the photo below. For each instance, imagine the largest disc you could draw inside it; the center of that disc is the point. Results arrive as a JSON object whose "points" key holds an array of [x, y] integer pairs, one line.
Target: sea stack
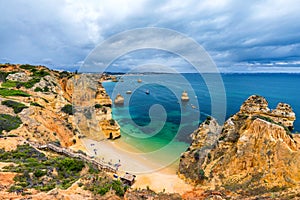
{"points": [[184, 96], [119, 100]]}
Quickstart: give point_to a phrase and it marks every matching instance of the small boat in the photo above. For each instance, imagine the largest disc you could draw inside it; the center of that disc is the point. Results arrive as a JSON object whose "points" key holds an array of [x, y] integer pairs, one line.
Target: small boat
{"points": [[128, 92], [139, 80], [147, 92]]}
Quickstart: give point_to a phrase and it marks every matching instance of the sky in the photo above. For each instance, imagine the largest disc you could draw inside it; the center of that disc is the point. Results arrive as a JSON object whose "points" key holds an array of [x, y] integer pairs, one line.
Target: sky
{"points": [[240, 36]]}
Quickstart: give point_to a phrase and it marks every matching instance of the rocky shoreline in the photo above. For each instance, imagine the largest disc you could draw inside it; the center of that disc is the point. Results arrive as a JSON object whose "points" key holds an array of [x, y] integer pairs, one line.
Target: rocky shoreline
{"points": [[252, 155], [54, 116]]}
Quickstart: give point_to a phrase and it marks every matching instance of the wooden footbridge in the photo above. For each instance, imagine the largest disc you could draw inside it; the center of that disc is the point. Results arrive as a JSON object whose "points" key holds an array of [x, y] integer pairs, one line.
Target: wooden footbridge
{"points": [[68, 152]]}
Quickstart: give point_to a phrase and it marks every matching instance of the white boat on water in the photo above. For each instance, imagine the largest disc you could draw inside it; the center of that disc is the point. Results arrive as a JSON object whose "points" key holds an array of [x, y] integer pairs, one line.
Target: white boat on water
{"points": [[128, 92]]}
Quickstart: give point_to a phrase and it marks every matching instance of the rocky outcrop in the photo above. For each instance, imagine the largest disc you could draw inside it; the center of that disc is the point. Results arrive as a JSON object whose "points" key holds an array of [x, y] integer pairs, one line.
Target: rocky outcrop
{"points": [[44, 121], [283, 114], [184, 96], [93, 109], [110, 128], [102, 97], [200, 194], [20, 76], [252, 153], [119, 100], [149, 194]]}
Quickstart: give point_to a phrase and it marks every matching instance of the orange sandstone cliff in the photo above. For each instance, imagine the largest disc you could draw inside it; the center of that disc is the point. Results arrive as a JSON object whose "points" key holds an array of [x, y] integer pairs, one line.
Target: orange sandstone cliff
{"points": [[253, 153], [49, 113]]}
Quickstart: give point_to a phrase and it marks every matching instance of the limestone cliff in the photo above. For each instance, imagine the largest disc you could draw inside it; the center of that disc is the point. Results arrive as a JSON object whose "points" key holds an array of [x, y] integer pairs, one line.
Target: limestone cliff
{"points": [[252, 153], [47, 98], [93, 112]]}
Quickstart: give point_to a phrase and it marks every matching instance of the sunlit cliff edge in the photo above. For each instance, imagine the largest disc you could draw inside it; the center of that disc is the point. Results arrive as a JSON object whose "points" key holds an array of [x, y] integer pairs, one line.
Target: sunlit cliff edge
{"points": [[50, 112], [253, 153]]}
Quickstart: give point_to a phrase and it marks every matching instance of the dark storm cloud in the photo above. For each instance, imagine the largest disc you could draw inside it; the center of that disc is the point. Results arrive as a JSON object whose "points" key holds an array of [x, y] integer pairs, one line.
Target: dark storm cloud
{"points": [[239, 35]]}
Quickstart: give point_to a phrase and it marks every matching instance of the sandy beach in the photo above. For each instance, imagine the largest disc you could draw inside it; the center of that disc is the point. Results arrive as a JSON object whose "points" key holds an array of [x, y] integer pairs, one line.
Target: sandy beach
{"points": [[149, 172]]}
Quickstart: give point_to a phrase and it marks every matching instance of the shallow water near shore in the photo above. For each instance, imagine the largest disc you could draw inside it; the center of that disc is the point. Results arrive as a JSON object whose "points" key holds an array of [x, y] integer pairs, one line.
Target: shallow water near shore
{"points": [[159, 124]]}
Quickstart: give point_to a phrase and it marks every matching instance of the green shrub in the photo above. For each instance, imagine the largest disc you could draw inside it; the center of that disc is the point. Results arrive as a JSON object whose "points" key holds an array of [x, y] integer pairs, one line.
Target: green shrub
{"points": [[30, 161], [101, 185], [39, 173], [27, 67], [68, 109], [202, 174], [40, 73], [98, 105], [28, 84], [93, 170], [57, 143], [38, 89], [46, 89], [18, 107], [10, 92], [9, 122], [118, 187], [36, 104], [24, 153], [46, 188], [69, 165], [112, 122], [11, 135], [9, 84], [45, 100], [64, 74], [15, 188]]}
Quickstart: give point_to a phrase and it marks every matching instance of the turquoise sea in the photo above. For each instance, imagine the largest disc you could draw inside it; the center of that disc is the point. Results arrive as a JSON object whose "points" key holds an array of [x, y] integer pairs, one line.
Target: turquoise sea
{"points": [[152, 122]]}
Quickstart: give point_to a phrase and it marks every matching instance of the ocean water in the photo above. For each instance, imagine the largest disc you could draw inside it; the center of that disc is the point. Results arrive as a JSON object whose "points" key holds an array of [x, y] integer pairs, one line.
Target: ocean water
{"points": [[159, 122]]}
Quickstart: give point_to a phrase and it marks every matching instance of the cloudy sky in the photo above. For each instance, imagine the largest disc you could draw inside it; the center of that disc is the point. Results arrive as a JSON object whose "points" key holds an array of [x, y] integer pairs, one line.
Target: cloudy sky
{"points": [[239, 35]]}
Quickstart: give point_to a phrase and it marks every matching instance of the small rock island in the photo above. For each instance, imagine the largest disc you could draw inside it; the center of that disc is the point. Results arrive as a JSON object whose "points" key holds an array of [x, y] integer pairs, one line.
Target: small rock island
{"points": [[184, 96], [119, 100]]}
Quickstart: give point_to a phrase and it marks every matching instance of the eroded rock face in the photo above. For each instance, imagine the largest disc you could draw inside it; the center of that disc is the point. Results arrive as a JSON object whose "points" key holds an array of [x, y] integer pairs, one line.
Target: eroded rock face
{"points": [[44, 121], [149, 194], [93, 109], [283, 114], [255, 104], [119, 100], [102, 97], [253, 152], [20, 76]]}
